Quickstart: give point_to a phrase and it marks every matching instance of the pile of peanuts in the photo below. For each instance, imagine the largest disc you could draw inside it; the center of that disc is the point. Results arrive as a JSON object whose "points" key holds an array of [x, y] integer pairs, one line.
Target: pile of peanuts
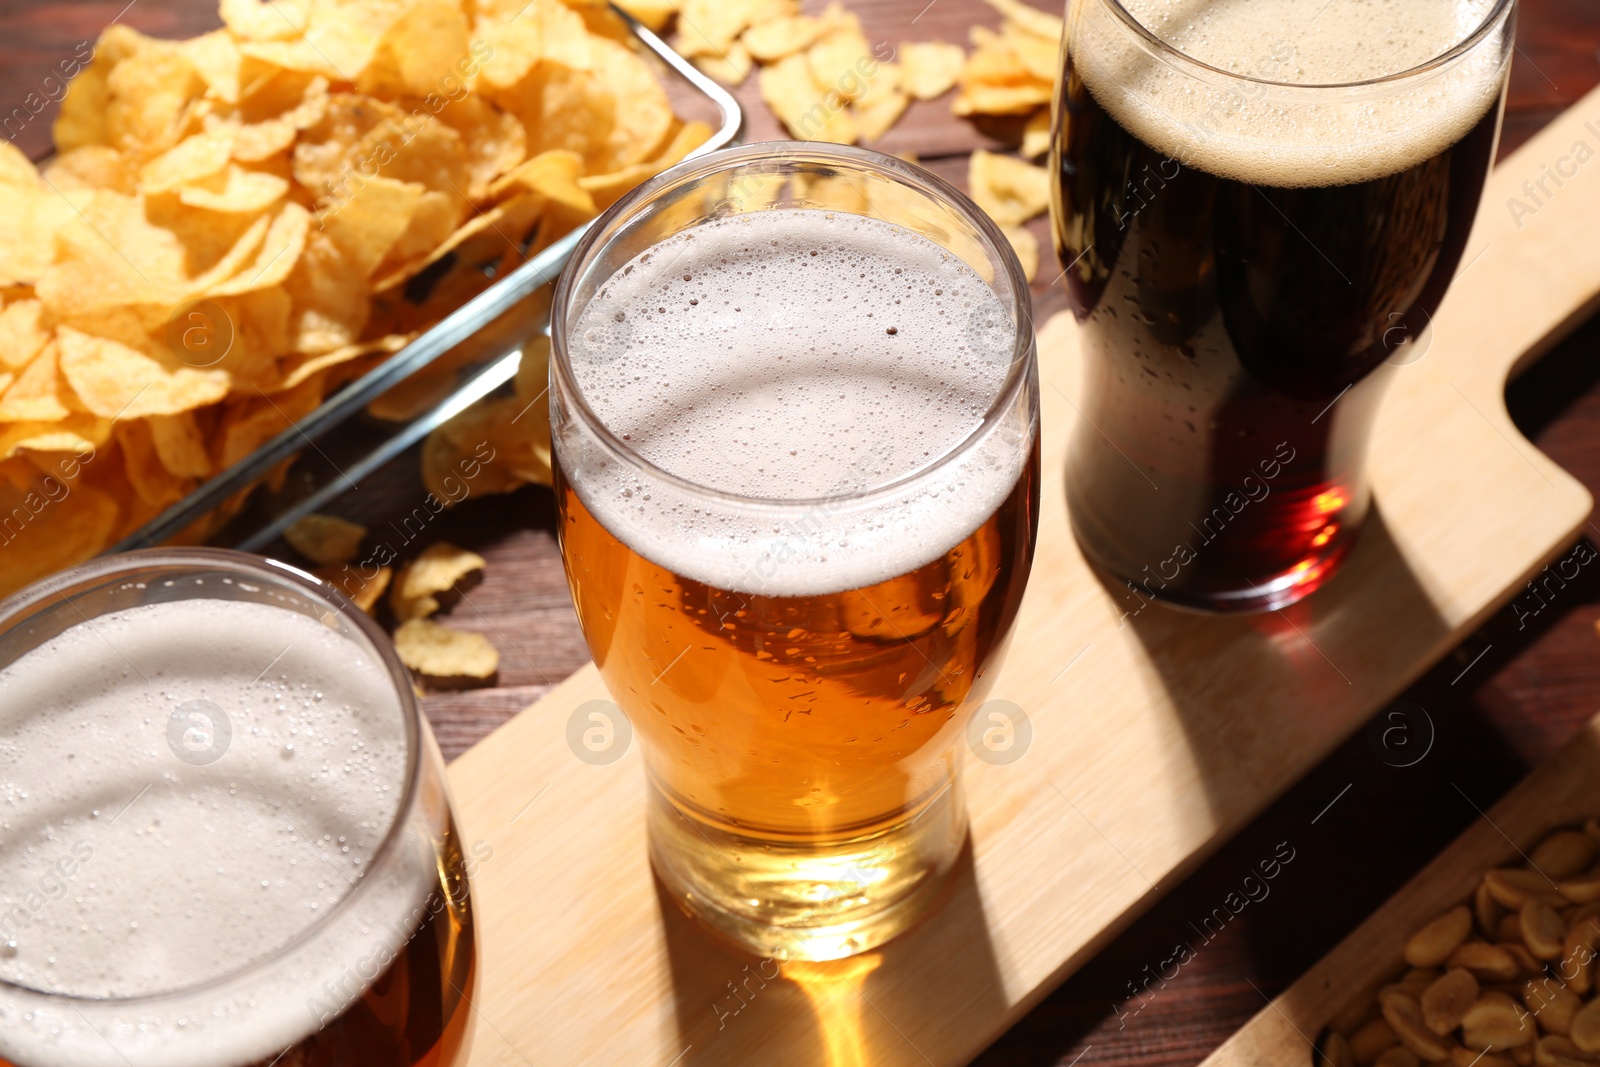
{"points": [[1508, 980]]}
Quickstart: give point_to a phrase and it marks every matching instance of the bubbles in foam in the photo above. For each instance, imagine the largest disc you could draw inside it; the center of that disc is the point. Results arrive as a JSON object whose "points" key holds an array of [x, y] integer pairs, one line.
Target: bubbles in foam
{"points": [[1291, 137], [794, 355], [127, 870]]}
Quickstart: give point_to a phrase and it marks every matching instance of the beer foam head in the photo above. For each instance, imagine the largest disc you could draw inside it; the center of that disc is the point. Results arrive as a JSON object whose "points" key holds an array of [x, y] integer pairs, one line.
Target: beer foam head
{"points": [[802, 356], [187, 788], [1296, 135]]}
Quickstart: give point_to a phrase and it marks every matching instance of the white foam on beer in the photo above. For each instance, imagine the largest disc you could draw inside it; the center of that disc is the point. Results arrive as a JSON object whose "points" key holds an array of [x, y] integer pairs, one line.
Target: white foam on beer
{"points": [[794, 355], [1288, 138], [126, 871]]}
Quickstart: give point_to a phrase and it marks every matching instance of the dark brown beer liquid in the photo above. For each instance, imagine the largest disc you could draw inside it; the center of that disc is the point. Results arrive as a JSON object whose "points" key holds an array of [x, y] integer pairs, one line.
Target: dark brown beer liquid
{"points": [[1235, 339]]}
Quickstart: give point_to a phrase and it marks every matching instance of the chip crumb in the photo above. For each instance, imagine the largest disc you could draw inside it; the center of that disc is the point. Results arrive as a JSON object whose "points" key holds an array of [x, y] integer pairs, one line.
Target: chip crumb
{"points": [[1010, 190], [440, 652], [931, 67], [364, 591], [436, 570], [326, 539]]}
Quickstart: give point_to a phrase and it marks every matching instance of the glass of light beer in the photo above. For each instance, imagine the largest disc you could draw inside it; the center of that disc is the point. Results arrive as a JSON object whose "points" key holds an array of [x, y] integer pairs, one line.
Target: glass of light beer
{"points": [[225, 837], [795, 421], [1259, 205]]}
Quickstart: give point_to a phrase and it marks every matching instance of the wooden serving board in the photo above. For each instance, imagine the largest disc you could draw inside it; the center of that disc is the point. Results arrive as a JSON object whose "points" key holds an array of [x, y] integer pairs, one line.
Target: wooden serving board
{"points": [[1562, 792], [1154, 738]]}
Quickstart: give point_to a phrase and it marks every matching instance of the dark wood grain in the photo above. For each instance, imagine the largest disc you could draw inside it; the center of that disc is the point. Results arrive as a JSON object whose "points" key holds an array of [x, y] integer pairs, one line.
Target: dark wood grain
{"points": [[1506, 699]]}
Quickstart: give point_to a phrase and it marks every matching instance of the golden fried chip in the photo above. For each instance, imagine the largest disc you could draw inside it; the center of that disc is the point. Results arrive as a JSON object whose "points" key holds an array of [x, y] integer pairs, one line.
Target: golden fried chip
{"points": [[31, 217], [93, 166], [82, 119], [841, 60], [1030, 19], [805, 110], [1040, 55], [1010, 190], [709, 27], [281, 249], [235, 190], [21, 336], [37, 393], [1026, 246], [930, 68], [117, 382], [217, 58], [150, 95], [730, 68], [179, 445], [367, 225], [883, 104], [150, 479], [440, 652], [80, 434], [326, 538], [773, 39], [493, 141], [363, 590], [435, 571], [607, 189], [272, 20], [655, 14], [1036, 134], [330, 298], [310, 366], [56, 533], [421, 52]]}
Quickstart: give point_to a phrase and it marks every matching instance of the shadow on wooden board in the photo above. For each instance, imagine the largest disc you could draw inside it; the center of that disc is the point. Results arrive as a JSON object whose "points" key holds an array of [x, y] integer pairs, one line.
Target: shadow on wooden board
{"points": [[735, 1008]]}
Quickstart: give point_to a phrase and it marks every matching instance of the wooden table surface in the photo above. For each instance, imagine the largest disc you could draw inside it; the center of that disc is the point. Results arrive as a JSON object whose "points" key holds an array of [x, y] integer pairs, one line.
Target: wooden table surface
{"points": [[1502, 702]]}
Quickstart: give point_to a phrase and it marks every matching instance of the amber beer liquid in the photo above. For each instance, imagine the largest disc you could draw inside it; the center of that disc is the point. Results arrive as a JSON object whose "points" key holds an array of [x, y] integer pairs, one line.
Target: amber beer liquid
{"points": [[1250, 266], [211, 856], [797, 626]]}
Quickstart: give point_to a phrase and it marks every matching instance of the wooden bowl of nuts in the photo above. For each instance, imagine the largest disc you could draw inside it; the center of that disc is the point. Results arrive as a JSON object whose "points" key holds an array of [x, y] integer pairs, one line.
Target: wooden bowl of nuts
{"points": [[1487, 958]]}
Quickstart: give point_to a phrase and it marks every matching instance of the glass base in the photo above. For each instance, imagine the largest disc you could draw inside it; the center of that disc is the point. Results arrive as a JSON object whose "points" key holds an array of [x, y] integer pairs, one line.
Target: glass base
{"points": [[816, 899]]}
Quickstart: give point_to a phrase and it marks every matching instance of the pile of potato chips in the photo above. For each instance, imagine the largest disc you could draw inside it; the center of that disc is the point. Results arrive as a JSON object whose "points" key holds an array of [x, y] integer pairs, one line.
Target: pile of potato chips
{"points": [[237, 224], [826, 81]]}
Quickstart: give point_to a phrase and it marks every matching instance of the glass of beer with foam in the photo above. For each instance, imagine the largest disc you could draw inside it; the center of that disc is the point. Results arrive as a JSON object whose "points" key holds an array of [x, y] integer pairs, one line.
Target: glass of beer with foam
{"points": [[1259, 205], [224, 834], [795, 422]]}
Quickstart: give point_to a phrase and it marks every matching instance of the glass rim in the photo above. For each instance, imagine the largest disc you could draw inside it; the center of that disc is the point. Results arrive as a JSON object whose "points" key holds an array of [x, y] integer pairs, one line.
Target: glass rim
{"points": [[22, 604], [1454, 52], [729, 160]]}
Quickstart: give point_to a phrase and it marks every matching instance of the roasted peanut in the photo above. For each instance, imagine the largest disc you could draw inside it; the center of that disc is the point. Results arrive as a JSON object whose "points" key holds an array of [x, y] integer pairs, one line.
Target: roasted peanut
{"points": [[1556, 1051], [1582, 888], [1544, 931], [1335, 1051], [1564, 854], [1486, 910], [1553, 1005], [1488, 963], [1576, 966], [1496, 1022], [1446, 1001], [1404, 1014], [1436, 942], [1369, 1042], [1465, 1057], [1524, 958], [1514, 887], [1585, 1032]]}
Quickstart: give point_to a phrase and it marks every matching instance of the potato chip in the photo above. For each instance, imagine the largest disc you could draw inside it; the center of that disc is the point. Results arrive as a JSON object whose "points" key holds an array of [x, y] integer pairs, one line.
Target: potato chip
{"points": [[882, 106], [330, 298], [930, 69], [272, 20], [117, 382], [21, 336], [773, 39], [1040, 55], [730, 68], [439, 652], [1009, 190], [31, 217], [1026, 246], [841, 60], [144, 470], [314, 365], [1029, 19], [436, 571], [709, 27], [326, 538], [363, 590], [93, 166], [493, 141], [607, 189], [80, 433], [998, 81], [82, 118], [41, 535], [807, 112], [235, 190], [1036, 134], [655, 14], [421, 52], [38, 393], [281, 248], [149, 98], [179, 445], [367, 225], [216, 57]]}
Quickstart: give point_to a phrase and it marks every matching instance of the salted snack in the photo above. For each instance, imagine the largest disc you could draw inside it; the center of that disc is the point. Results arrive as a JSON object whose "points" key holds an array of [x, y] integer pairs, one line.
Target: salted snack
{"points": [[1505, 979], [234, 226]]}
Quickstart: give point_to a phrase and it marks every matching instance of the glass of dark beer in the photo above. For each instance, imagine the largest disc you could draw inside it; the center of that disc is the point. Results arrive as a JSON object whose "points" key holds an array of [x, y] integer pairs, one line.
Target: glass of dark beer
{"points": [[1259, 205], [227, 840]]}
